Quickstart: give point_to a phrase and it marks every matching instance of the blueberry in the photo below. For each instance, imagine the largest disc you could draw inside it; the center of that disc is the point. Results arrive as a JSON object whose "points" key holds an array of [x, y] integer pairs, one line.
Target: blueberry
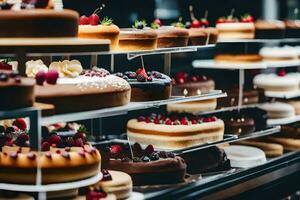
{"points": [[140, 25], [154, 156], [3, 77], [188, 24]]}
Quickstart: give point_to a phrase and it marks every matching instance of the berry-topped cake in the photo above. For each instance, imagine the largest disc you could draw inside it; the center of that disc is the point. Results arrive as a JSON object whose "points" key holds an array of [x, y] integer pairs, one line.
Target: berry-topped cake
{"points": [[234, 28], [145, 166], [63, 87], [147, 86], [94, 27], [280, 82], [61, 159], [16, 92], [174, 132], [191, 85], [170, 36], [37, 22], [139, 37]]}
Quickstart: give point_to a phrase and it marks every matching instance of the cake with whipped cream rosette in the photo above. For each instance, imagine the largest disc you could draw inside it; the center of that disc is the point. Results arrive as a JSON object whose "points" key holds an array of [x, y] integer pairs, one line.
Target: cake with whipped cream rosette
{"points": [[66, 85], [61, 159], [172, 132]]}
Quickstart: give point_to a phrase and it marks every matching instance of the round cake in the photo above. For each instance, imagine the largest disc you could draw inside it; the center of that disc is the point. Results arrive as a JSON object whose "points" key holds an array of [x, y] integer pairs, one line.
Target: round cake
{"points": [[39, 23], [169, 36], [137, 39], [291, 130], [17, 92], [198, 36], [191, 85], [167, 132], [269, 29], [276, 82], [278, 110], [99, 29], [232, 28], [289, 144], [193, 107], [149, 86], [239, 125], [278, 53], [292, 28], [145, 166], [61, 160], [93, 89]]}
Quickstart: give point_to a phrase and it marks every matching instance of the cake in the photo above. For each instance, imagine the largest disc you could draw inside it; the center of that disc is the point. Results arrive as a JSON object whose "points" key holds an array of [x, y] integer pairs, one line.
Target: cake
{"points": [[96, 28], [212, 159], [61, 159], [291, 130], [193, 107], [170, 36], [239, 125], [235, 52], [295, 104], [278, 53], [115, 182], [198, 36], [191, 85], [245, 156], [149, 86], [292, 28], [232, 28], [96, 88], [145, 166], [139, 37], [16, 92], [278, 110], [271, 149], [289, 144], [250, 96], [39, 23], [269, 29], [280, 82], [171, 132]]}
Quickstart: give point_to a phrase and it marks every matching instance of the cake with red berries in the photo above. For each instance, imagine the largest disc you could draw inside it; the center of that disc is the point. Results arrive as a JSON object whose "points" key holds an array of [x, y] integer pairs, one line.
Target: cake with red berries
{"points": [[139, 37], [170, 36], [145, 166], [61, 159], [39, 23], [292, 28], [149, 86], [233, 28], [280, 82], [97, 88], [17, 92], [172, 132], [191, 85], [266, 29], [96, 28]]}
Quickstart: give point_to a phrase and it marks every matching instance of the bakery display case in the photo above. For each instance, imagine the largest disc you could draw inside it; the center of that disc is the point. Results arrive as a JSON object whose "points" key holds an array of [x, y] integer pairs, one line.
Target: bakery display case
{"points": [[74, 126]]}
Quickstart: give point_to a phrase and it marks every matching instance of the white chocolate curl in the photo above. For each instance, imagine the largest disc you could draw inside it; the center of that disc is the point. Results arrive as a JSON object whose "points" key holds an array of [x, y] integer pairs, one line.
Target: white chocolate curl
{"points": [[67, 68], [34, 66]]}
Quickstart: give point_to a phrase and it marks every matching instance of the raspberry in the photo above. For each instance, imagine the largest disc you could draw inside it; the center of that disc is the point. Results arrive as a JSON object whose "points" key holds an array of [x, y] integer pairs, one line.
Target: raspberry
{"points": [[78, 142], [168, 122], [20, 123], [54, 139], [141, 118], [208, 119], [52, 77], [45, 146], [213, 119], [115, 148], [194, 121], [184, 121]]}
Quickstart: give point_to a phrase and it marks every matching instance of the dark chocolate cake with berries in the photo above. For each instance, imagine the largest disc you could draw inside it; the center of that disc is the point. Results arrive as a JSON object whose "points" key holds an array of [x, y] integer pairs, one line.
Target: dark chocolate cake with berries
{"points": [[145, 166], [16, 92], [61, 159], [191, 85], [173, 131], [147, 86]]}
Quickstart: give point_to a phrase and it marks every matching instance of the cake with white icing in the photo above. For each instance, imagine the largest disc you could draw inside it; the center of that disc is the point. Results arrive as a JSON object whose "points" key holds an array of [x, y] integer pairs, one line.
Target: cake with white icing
{"points": [[278, 53], [278, 110], [172, 132]]}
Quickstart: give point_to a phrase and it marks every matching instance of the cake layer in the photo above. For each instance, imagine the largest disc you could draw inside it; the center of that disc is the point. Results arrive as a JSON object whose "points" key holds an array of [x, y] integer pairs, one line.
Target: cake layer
{"points": [[237, 58], [193, 107], [273, 82], [39, 23]]}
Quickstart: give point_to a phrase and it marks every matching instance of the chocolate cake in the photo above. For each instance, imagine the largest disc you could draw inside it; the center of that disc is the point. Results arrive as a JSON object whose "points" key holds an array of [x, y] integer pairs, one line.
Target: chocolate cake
{"points": [[39, 23], [169, 36], [269, 29], [149, 86], [238, 125], [145, 166], [212, 159], [292, 28]]}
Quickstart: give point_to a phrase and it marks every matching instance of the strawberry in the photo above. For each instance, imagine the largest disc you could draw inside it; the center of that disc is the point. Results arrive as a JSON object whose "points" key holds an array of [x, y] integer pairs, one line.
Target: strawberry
{"points": [[78, 142], [142, 71], [84, 20], [196, 24], [158, 22], [221, 20], [20, 123], [94, 19], [247, 18], [54, 139]]}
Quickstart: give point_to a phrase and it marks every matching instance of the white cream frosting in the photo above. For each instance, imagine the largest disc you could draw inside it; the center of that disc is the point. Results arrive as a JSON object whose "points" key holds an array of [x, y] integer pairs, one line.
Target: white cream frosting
{"points": [[274, 80], [34, 66], [279, 52], [277, 107], [235, 26], [67, 68]]}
